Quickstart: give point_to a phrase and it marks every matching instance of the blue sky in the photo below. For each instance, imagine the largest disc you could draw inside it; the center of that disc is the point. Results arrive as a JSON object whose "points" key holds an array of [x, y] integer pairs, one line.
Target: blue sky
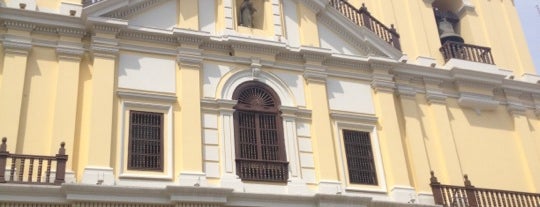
{"points": [[529, 14]]}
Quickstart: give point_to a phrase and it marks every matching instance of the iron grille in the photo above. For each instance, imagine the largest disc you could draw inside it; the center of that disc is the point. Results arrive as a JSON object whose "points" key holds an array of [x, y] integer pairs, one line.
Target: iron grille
{"points": [[146, 141], [359, 155]]}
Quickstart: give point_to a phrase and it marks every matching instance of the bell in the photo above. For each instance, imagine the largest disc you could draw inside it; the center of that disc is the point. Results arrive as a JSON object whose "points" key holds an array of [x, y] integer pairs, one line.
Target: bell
{"points": [[446, 31]]}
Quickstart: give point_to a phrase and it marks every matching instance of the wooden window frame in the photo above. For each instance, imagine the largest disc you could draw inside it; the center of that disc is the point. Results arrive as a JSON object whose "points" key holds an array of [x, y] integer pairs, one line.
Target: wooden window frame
{"points": [[371, 157], [161, 143], [279, 164]]}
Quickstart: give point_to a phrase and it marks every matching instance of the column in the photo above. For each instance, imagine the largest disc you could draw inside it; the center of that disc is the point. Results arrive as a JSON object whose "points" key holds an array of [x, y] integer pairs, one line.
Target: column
{"points": [[65, 104], [16, 46], [321, 127], [100, 138], [189, 136], [415, 137], [525, 139], [390, 134], [446, 163]]}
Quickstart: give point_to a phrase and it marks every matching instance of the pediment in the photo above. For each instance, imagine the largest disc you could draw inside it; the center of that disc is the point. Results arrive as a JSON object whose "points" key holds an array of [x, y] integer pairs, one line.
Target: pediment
{"points": [[160, 14], [343, 36], [336, 32]]}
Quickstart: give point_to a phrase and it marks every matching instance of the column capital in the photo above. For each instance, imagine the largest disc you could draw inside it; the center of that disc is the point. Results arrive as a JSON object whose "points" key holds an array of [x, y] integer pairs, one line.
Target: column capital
{"points": [[383, 83], [72, 54], [189, 57], [17, 47]]}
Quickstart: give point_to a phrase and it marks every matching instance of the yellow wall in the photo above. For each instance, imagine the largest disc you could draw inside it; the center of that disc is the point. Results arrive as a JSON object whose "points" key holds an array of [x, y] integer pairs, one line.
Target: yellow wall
{"points": [[493, 147]]}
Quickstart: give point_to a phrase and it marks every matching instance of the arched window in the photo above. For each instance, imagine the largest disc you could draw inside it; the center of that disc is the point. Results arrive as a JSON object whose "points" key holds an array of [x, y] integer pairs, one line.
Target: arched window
{"points": [[260, 149]]}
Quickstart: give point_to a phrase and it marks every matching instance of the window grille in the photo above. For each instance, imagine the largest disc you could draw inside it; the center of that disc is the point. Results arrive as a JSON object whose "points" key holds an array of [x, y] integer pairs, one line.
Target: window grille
{"points": [[145, 141], [360, 161], [260, 153]]}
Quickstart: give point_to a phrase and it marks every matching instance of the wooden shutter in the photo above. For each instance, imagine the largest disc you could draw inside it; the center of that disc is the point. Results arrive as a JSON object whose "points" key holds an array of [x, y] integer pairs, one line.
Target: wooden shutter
{"points": [[145, 141], [260, 150], [360, 161]]}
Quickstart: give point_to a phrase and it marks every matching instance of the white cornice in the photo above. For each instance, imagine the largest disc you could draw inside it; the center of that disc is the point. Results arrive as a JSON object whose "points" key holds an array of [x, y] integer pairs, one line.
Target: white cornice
{"points": [[315, 5], [353, 117], [142, 95], [131, 9], [41, 18]]}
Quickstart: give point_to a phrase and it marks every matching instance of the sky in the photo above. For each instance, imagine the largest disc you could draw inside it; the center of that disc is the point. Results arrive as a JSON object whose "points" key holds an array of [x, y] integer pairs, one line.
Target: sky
{"points": [[529, 14]]}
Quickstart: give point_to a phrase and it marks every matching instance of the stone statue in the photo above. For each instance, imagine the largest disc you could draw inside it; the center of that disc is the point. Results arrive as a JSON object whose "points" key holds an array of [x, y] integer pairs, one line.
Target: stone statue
{"points": [[246, 14]]}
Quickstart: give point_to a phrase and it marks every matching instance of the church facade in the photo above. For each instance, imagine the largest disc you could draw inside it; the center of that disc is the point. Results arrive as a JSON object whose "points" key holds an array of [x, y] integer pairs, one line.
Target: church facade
{"points": [[264, 102]]}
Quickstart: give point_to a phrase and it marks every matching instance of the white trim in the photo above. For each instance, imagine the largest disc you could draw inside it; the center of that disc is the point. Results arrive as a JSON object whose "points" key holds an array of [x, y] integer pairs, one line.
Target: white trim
{"points": [[166, 109], [233, 79], [365, 123]]}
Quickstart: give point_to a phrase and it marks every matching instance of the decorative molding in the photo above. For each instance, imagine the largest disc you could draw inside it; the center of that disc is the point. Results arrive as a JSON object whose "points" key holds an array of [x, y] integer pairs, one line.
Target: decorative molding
{"points": [[352, 64], [254, 48], [295, 112], [434, 93], [255, 67], [190, 57], [315, 5], [383, 82], [199, 194], [108, 29], [18, 25], [216, 46], [140, 95], [514, 102], [17, 47], [74, 32], [218, 104], [290, 56], [406, 91], [347, 116], [312, 54], [104, 51], [147, 37], [314, 73], [477, 101], [67, 53], [355, 39], [125, 12]]}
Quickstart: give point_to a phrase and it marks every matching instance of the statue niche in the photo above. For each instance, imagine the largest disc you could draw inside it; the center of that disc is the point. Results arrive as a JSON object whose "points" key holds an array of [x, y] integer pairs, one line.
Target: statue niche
{"points": [[250, 13]]}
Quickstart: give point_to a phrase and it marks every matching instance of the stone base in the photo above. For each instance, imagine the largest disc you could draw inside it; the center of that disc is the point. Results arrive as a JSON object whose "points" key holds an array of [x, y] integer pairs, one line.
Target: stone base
{"points": [[98, 176], [426, 198], [197, 179], [403, 194], [232, 181], [330, 187]]}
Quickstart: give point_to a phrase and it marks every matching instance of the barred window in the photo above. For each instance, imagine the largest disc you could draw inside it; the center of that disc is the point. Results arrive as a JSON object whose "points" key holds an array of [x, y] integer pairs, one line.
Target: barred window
{"points": [[145, 141], [360, 161], [260, 150]]}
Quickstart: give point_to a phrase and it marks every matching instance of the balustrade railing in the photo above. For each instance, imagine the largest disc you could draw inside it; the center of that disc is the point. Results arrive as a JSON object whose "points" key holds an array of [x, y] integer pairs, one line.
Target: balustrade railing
{"points": [[262, 170], [470, 196], [362, 17], [32, 169], [466, 52]]}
